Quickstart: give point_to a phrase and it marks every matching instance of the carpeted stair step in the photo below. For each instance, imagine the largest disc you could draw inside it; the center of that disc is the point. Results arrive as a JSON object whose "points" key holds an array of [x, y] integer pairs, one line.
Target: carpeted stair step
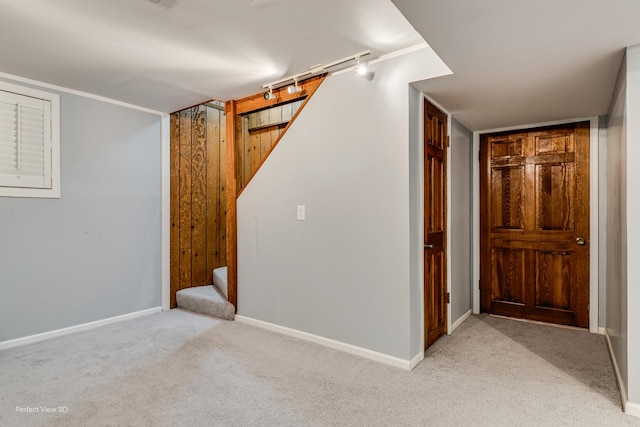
{"points": [[205, 300], [220, 280]]}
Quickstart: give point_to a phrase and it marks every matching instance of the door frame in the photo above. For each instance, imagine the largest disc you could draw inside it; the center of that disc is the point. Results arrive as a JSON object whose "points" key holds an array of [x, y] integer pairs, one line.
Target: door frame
{"points": [[593, 213], [421, 224], [165, 196]]}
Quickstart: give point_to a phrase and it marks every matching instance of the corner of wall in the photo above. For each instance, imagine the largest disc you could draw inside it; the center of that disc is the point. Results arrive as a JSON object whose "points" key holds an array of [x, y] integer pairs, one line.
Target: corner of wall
{"points": [[347, 159], [416, 224]]}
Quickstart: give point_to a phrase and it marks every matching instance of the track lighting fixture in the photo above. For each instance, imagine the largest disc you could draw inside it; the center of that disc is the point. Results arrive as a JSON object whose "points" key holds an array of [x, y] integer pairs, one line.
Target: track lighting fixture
{"points": [[295, 88], [368, 75], [339, 65], [268, 96], [362, 70]]}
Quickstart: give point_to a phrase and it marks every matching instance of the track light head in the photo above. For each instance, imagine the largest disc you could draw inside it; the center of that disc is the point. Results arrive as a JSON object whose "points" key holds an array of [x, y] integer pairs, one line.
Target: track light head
{"points": [[269, 95], [362, 70], [295, 88], [368, 75]]}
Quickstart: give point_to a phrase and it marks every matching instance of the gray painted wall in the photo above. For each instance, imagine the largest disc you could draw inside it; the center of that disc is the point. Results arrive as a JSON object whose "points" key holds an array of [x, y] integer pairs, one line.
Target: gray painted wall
{"points": [[602, 220], [416, 221], [461, 220], [616, 225], [95, 252], [623, 228], [632, 144], [344, 273]]}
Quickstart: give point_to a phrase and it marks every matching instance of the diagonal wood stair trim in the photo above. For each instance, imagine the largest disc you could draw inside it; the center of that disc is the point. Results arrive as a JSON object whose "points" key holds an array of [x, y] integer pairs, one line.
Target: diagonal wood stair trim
{"points": [[257, 103]]}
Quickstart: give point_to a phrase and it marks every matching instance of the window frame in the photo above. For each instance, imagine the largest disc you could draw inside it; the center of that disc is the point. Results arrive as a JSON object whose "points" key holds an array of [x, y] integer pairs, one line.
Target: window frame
{"points": [[54, 99]]}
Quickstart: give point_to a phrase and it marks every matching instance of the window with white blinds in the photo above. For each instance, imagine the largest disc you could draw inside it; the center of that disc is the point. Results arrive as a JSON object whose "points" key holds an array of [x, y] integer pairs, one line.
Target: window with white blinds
{"points": [[27, 144]]}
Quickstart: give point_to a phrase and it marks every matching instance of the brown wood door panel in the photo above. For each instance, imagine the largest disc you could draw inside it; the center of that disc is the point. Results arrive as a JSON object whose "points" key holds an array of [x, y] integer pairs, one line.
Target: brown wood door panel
{"points": [[435, 196], [508, 275], [534, 206], [436, 316], [507, 200]]}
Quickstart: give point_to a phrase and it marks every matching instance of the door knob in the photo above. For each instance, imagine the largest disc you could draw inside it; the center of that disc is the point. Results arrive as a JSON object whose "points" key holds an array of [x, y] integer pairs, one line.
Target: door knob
{"points": [[580, 241], [428, 246]]}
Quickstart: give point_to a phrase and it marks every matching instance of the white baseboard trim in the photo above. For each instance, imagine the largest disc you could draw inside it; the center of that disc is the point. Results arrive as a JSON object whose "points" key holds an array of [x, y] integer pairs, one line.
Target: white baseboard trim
{"points": [[460, 321], [327, 342], [77, 328], [616, 369], [417, 359], [632, 408], [602, 331]]}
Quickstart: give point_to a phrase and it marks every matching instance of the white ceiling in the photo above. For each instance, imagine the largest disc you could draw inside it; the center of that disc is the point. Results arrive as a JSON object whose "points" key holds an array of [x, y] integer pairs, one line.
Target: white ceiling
{"points": [[513, 61], [179, 53], [519, 62]]}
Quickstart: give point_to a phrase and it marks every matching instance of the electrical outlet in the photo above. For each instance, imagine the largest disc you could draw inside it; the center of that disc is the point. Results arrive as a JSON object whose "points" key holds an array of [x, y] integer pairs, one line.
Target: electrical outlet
{"points": [[300, 214]]}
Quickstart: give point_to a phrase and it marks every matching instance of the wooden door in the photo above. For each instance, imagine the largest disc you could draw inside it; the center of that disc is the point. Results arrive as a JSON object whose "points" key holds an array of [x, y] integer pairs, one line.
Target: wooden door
{"points": [[435, 196], [534, 214]]}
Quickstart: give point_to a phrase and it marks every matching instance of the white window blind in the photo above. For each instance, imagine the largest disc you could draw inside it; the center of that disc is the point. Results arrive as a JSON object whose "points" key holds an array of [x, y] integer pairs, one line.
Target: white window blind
{"points": [[25, 141]]}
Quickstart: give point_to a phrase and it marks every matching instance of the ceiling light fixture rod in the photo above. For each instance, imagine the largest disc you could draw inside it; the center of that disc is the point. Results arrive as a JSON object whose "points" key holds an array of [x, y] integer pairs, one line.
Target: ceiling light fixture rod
{"points": [[355, 57], [315, 70]]}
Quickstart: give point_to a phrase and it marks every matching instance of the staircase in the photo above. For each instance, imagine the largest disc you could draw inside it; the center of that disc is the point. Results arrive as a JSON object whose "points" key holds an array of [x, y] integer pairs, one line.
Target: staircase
{"points": [[210, 300]]}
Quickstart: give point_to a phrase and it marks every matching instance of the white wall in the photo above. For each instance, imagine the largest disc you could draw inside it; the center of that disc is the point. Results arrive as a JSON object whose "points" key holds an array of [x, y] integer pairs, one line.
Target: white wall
{"points": [[623, 228], [632, 158], [602, 220], [460, 193], [616, 224], [345, 272], [416, 218], [95, 252]]}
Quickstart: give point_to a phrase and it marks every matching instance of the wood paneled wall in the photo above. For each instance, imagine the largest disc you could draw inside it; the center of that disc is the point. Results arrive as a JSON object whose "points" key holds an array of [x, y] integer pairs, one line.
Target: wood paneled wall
{"points": [[198, 195], [213, 156], [260, 131]]}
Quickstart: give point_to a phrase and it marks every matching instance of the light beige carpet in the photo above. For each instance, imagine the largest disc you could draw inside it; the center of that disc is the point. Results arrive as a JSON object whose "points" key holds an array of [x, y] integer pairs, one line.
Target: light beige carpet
{"points": [[180, 369]]}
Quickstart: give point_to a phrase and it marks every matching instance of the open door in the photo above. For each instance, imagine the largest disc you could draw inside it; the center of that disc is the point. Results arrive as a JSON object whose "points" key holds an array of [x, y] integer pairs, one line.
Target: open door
{"points": [[435, 224]]}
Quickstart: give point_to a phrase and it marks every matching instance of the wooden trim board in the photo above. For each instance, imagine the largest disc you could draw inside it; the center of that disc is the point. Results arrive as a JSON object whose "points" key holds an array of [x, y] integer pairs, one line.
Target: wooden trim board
{"points": [[257, 102], [309, 87], [232, 228]]}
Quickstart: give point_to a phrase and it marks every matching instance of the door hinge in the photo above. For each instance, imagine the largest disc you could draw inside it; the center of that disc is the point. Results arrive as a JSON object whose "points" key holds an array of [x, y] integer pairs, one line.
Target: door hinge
{"points": [[448, 141], [448, 297]]}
